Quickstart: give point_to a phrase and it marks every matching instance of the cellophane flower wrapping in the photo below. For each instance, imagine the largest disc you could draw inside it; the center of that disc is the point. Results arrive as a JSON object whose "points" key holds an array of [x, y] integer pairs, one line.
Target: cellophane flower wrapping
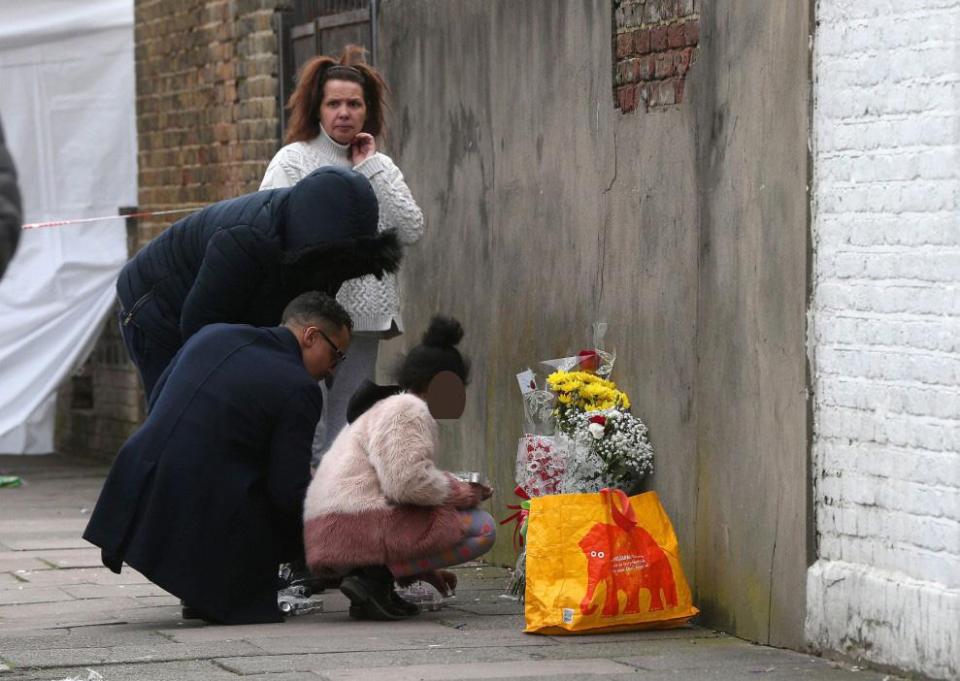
{"points": [[540, 464]]}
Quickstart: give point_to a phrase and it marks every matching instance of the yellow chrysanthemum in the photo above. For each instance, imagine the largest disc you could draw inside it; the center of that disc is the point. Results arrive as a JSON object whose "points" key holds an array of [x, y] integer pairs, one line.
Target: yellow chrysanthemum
{"points": [[588, 378], [586, 391], [592, 391]]}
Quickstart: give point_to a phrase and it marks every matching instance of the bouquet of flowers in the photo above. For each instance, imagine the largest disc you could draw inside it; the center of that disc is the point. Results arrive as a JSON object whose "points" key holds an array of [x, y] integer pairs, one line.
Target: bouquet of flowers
{"points": [[608, 445], [579, 437]]}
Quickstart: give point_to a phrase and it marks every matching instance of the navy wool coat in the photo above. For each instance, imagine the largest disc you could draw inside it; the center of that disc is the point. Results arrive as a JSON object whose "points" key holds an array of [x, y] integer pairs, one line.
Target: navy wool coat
{"points": [[242, 260], [206, 498]]}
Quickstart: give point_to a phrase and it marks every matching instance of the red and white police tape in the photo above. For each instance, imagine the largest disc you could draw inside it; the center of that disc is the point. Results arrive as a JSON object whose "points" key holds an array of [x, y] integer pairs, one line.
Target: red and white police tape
{"points": [[77, 221]]}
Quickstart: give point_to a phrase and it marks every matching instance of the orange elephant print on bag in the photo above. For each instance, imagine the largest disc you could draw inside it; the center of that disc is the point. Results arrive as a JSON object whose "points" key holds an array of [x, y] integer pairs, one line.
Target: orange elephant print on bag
{"points": [[625, 558], [603, 561]]}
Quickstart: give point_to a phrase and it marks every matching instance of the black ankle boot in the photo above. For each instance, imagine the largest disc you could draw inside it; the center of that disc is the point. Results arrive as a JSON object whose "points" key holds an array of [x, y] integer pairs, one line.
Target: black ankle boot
{"points": [[370, 590], [190, 613], [403, 605]]}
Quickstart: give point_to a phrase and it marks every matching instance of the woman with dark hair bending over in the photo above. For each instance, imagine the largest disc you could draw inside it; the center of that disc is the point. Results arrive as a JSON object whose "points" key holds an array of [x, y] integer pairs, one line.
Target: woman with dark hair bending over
{"points": [[378, 508], [336, 115]]}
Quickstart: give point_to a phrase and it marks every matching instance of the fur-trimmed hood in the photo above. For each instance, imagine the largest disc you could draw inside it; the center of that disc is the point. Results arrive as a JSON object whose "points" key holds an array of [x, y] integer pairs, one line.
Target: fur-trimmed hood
{"points": [[325, 266]]}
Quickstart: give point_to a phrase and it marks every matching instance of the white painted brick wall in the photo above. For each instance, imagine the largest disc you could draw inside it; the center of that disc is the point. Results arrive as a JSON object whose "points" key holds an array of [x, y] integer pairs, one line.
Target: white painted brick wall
{"points": [[885, 333]]}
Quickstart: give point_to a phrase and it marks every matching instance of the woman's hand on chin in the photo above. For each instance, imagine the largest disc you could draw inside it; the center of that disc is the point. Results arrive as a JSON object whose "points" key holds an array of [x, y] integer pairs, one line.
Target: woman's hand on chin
{"points": [[362, 147]]}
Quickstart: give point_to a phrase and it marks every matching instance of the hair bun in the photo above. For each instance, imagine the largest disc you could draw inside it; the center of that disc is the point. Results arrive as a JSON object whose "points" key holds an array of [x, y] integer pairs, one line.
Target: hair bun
{"points": [[444, 332]]}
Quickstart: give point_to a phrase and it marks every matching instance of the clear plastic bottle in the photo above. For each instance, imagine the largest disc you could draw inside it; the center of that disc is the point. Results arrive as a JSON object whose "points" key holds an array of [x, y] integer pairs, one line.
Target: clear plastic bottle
{"points": [[295, 600], [423, 594]]}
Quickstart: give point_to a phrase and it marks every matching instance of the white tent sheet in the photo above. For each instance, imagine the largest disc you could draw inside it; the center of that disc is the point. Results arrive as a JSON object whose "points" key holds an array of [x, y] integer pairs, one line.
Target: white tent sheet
{"points": [[68, 112]]}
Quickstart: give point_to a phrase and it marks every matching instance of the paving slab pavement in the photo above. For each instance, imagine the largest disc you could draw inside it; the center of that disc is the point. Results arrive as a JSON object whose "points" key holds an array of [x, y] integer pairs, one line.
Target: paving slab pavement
{"points": [[64, 617]]}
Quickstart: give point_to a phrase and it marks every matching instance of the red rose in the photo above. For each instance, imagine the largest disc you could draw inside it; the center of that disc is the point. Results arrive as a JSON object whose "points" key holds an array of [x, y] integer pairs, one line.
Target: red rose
{"points": [[588, 360], [599, 418]]}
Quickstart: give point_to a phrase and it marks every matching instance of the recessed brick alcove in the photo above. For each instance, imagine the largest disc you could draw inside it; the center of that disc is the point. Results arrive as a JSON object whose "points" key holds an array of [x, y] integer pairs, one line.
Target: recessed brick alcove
{"points": [[654, 46]]}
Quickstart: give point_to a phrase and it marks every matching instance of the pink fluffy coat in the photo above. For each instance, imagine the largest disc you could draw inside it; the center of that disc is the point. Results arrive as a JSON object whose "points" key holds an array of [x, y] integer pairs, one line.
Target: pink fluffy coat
{"points": [[378, 497]]}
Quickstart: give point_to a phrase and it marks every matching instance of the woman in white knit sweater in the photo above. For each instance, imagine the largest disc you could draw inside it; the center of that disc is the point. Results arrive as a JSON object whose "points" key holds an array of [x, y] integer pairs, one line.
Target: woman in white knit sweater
{"points": [[378, 507], [336, 115]]}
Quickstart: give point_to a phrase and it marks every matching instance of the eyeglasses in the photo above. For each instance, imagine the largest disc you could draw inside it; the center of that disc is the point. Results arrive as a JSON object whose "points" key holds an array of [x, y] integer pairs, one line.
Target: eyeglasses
{"points": [[340, 355]]}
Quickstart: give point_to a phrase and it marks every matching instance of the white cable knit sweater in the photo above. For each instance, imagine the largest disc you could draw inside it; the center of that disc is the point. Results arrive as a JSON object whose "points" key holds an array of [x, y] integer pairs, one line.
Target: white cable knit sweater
{"points": [[373, 304]]}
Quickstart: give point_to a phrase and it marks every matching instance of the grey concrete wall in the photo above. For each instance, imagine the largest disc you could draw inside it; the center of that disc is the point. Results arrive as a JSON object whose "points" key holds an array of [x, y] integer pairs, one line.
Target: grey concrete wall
{"points": [[752, 93], [685, 229]]}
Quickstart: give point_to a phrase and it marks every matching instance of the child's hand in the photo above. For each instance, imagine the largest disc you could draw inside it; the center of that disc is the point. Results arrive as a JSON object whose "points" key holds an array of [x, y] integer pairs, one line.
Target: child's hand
{"points": [[485, 491]]}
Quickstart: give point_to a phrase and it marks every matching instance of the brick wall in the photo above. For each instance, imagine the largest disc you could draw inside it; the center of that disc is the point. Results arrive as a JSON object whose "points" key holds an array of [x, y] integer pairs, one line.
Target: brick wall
{"points": [[207, 112], [207, 122], [654, 45], [886, 334], [102, 403]]}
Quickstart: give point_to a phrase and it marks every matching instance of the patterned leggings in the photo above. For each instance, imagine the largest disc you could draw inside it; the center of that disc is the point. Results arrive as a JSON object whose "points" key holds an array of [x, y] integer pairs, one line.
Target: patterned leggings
{"points": [[481, 532]]}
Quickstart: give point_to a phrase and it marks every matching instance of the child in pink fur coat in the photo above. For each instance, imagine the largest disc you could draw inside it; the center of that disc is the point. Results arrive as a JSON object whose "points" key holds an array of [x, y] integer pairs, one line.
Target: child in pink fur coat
{"points": [[378, 508]]}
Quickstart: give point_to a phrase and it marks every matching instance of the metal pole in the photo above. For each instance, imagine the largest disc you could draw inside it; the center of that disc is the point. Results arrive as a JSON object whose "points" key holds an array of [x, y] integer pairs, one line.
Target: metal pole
{"points": [[281, 22], [374, 33]]}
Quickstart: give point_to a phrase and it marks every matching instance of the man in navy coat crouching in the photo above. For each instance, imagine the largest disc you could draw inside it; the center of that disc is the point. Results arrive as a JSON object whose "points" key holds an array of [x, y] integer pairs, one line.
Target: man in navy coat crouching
{"points": [[206, 498]]}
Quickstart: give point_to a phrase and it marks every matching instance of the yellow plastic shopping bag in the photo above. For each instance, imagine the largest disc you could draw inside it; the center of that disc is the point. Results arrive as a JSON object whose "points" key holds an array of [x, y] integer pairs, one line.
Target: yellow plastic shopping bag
{"points": [[603, 561]]}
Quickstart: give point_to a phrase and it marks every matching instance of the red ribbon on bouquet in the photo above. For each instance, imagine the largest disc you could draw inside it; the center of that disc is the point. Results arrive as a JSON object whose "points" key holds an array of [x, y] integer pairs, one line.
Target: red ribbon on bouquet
{"points": [[522, 511]]}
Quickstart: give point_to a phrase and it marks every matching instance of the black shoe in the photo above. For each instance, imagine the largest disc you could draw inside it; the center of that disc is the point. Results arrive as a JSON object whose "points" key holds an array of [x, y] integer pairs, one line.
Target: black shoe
{"points": [[317, 585], [297, 574], [189, 613], [403, 605], [313, 585], [369, 590], [357, 612]]}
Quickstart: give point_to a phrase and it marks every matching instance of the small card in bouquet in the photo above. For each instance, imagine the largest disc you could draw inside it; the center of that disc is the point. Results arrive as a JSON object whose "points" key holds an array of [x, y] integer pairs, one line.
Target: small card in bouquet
{"points": [[527, 380]]}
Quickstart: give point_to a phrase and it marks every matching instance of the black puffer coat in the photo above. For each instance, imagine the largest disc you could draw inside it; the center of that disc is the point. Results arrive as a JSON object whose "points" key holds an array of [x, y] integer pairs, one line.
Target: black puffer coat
{"points": [[242, 260]]}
